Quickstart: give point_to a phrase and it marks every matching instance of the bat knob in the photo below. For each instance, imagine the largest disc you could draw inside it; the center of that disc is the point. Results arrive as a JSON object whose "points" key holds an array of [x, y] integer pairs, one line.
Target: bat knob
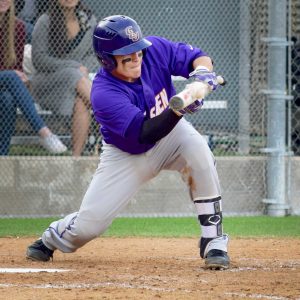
{"points": [[221, 80]]}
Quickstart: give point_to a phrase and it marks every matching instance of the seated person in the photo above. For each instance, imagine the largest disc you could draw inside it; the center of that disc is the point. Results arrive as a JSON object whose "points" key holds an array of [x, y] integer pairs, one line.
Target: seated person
{"points": [[29, 11], [13, 91], [63, 58], [19, 6]]}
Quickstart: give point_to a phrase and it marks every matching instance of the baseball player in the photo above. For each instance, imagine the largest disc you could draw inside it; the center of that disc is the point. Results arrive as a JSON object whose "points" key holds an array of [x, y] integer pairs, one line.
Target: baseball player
{"points": [[142, 136]]}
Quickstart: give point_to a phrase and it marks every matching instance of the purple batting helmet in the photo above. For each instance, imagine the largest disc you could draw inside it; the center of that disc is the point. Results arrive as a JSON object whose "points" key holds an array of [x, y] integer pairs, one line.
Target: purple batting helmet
{"points": [[117, 35]]}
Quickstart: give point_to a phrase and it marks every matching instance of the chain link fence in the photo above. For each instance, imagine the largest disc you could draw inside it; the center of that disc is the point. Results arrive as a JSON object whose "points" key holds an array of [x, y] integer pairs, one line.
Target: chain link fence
{"points": [[38, 180], [295, 68]]}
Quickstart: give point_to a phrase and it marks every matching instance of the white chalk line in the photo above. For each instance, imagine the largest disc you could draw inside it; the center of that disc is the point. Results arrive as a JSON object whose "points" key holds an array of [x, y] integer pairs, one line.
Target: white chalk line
{"points": [[242, 269], [127, 286], [31, 270], [257, 296], [88, 286], [280, 261]]}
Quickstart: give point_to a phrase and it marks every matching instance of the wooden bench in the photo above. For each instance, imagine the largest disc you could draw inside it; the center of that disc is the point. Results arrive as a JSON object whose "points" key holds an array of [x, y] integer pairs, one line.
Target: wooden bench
{"points": [[59, 125], [24, 135]]}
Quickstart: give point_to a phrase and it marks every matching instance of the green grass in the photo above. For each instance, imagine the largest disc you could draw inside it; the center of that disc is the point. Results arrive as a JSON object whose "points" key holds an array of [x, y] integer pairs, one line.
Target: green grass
{"points": [[262, 226]]}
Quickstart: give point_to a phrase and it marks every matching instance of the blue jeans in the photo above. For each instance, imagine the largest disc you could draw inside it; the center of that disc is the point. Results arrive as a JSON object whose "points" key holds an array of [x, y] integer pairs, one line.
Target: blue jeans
{"points": [[13, 94]]}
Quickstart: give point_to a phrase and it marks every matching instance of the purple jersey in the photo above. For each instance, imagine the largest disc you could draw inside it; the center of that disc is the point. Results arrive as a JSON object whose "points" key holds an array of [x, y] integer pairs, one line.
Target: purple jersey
{"points": [[117, 103]]}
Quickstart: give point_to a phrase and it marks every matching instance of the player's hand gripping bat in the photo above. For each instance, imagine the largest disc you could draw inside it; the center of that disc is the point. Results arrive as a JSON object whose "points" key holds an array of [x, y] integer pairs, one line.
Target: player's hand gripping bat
{"points": [[192, 92]]}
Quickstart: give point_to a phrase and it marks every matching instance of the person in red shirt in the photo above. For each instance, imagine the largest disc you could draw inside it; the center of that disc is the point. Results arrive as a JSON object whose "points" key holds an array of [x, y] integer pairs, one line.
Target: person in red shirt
{"points": [[13, 84]]}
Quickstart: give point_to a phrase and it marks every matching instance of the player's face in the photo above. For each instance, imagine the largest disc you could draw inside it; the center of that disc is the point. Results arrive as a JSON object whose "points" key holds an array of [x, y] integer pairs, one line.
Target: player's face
{"points": [[129, 67], [4, 6]]}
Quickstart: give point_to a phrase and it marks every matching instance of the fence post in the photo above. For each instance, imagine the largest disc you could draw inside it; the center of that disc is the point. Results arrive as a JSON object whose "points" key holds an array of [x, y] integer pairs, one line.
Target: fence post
{"points": [[244, 79], [276, 108]]}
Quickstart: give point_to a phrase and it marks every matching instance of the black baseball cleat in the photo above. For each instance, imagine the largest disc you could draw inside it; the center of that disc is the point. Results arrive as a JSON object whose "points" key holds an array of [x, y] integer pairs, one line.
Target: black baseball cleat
{"points": [[39, 252], [217, 260]]}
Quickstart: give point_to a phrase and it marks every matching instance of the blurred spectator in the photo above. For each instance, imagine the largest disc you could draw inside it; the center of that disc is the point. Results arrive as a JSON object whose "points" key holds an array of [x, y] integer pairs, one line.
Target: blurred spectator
{"points": [[29, 11], [62, 56], [19, 5], [13, 90]]}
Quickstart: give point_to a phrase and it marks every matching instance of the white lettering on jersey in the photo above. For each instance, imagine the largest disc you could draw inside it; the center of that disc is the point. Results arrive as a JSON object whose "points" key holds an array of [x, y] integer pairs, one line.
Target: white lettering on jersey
{"points": [[161, 103]]}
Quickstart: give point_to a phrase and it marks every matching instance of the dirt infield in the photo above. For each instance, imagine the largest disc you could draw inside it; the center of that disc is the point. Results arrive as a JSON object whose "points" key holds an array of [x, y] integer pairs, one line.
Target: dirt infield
{"points": [[153, 268]]}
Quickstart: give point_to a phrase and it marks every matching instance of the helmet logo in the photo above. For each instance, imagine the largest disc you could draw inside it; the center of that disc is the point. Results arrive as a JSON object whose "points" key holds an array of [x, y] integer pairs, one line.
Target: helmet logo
{"points": [[134, 36]]}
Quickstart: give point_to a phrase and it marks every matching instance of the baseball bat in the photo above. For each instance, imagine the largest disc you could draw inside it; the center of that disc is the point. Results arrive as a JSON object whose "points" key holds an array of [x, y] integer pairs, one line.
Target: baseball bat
{"points": [[192, 92]]}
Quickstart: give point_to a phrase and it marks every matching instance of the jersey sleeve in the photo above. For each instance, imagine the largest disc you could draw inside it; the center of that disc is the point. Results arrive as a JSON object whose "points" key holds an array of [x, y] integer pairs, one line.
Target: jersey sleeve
{"points": [[177, 56], [113, 109]]}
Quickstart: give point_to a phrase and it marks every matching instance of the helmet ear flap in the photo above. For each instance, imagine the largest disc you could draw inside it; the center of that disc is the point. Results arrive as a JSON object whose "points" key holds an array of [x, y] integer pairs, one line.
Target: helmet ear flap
{"points": [[107, 61]]}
